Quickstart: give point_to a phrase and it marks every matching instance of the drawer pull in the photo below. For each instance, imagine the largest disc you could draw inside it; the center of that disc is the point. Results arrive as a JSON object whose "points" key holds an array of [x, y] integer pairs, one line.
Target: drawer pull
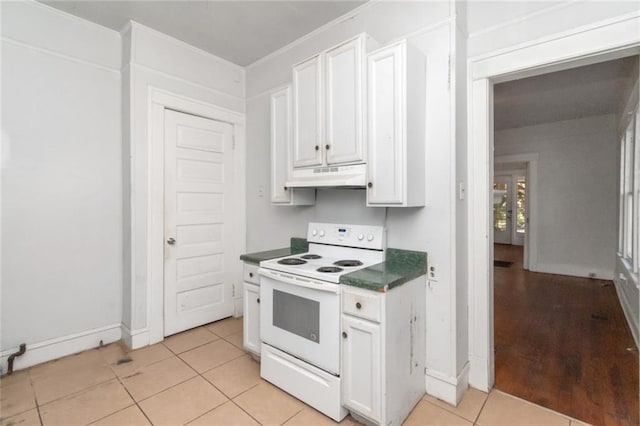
{"points": [[344, 334], [358, 305], [251, 274], [258, 300]]}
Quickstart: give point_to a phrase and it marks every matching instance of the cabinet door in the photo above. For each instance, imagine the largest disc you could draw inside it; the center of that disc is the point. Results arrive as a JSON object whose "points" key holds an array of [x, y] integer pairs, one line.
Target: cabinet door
{"points": [[251, 319], [307, 110], [385, 125], [361, 382], [344, 117], [280, 140]]}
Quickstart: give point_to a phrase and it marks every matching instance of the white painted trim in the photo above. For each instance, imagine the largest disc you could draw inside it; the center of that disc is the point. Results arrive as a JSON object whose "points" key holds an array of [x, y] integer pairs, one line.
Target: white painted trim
{"points": [[628, 313], [447, 389], [522, 18], [531, 236], [158, 100], [573, 270], [349, 15], [134, 65], [546, 52], [585, 44], [60, 55], [58, 347], [135, 339]]}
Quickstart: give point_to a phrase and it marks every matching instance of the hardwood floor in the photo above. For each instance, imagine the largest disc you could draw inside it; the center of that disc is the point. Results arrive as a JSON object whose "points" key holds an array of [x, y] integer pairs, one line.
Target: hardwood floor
{"points": [[563, 342]]}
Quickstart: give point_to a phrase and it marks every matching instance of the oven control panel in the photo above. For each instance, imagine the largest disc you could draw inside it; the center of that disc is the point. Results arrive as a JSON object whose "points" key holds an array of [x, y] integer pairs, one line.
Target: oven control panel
{"points": [[361, 236]]}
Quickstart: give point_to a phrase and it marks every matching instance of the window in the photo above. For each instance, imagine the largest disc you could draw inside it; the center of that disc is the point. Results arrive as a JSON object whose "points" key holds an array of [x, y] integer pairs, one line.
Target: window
{"points": [[629, 202], [521, 213]]}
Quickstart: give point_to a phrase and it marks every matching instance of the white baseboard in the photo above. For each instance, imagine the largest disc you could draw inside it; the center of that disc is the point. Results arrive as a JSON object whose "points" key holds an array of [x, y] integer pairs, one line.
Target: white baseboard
{"points": [[447, 389], [137, 338], [51, 349], [628, 313], [573, 271], [479, 373]]}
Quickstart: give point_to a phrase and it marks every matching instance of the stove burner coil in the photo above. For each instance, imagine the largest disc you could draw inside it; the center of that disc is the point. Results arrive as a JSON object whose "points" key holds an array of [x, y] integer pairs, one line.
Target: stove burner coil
{"points": [[311, 256], [348, 263], [292, 261], [329, 269]]}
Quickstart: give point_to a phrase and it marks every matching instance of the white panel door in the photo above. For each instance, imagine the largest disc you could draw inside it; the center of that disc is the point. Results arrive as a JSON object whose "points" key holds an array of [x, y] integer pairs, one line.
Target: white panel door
{"points": [[198, 200], [251, 319], [385, 126], [361, 367], [344, 128], [307, 110]]}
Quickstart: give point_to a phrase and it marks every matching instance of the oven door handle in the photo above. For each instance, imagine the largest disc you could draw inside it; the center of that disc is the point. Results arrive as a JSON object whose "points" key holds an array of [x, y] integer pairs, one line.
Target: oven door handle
{"points": [[299, 281]]}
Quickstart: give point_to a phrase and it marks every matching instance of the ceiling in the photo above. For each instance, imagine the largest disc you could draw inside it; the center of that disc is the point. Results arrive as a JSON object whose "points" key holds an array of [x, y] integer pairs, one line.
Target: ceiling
{"points": [[238, 31], [564, 95]]}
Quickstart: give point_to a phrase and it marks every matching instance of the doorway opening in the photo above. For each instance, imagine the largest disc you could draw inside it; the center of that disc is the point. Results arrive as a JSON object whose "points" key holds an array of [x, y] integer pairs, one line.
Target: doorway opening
{"points": [[561, 339]]}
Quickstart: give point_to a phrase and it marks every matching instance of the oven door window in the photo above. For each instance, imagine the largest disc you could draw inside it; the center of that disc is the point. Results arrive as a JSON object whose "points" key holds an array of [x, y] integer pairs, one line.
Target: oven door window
{"points": [[297, 315]]}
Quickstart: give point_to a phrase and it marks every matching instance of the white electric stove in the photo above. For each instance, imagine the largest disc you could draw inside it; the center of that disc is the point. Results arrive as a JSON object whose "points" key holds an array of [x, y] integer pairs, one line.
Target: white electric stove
{"points": [[300, 311]]}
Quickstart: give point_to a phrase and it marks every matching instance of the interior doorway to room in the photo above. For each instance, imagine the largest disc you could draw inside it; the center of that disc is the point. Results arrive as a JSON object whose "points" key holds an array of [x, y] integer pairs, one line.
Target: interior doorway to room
{"points": [[198, 218], [561, 338]]}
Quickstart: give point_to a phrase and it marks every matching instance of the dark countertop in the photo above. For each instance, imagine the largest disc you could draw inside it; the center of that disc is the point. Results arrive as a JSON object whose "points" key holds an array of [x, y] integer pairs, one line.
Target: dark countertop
{"points": [[400, 266], [298, 245]]}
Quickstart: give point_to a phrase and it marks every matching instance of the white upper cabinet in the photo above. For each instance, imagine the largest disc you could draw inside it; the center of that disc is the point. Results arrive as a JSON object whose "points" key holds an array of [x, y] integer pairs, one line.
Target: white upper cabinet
{"points": [[307, 113], [344, 68], [280, 153], [328, 106], [396, 77]]}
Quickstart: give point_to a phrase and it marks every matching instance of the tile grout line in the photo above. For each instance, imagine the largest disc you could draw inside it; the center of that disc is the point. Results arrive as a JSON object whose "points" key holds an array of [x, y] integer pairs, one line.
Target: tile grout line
{"points": [[484, 403], [35, 397], [442, 408]]}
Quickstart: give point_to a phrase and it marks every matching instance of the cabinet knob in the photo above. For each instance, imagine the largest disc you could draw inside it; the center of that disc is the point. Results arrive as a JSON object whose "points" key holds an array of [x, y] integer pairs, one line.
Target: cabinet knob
{"points": [[251, 274], [344, 334], [286, 189], [327, 146], [370, 184], [358, 305], [317, 147], [258, 300], [171, 241]]}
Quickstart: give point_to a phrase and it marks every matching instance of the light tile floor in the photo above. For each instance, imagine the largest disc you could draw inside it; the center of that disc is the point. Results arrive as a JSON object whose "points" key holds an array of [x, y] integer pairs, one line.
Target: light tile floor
{"points": [[203, 377]]}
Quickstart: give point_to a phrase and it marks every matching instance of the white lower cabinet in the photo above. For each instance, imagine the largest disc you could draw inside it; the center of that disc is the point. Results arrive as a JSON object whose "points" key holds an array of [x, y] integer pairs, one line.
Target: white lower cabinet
{"points": [[251, 318], [361, 366], [383, 352]]}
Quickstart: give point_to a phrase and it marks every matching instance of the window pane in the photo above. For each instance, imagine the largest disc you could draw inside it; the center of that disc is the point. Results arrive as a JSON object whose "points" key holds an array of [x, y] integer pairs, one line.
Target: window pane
{"points": [[521, 214], [500, 206]]}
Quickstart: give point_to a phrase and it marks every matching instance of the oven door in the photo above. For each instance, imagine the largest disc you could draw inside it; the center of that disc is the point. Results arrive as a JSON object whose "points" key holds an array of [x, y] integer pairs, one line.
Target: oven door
{"points": [[301, 317]]}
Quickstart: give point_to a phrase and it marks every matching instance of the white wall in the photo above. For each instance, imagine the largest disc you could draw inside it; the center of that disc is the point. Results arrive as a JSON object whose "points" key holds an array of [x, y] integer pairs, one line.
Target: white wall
{"points": [[152, 59], [432, 228], [576, 192], [61, 165]]}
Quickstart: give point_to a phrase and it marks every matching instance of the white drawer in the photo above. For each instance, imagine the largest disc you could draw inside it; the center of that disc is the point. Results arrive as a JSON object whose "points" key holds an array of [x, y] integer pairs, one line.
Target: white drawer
{"points": [[250, 273], [362, 303]]}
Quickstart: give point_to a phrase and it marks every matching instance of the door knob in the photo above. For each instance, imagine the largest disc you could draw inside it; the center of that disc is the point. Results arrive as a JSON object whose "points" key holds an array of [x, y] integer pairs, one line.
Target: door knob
{"points": [[171, 241]]}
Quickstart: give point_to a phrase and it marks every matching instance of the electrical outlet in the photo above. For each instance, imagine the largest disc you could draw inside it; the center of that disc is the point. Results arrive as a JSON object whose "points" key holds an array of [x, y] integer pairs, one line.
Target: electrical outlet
{"points": [[433, 272], [592, 274]]}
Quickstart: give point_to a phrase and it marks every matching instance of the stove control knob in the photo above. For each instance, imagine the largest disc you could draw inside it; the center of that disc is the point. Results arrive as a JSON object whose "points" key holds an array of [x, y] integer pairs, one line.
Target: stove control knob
{"points": [[360, 237], [321, 233], [314, 232], [369, 237]]}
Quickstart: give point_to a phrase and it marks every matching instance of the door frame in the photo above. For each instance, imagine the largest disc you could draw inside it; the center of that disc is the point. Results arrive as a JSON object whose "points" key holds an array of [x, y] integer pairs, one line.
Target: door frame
{"points": [[606, 40], [530, 257], [159, 100]]}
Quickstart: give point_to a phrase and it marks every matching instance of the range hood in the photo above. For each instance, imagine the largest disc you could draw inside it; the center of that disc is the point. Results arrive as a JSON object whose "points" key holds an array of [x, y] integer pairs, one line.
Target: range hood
{"points": [[351, 176]]}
